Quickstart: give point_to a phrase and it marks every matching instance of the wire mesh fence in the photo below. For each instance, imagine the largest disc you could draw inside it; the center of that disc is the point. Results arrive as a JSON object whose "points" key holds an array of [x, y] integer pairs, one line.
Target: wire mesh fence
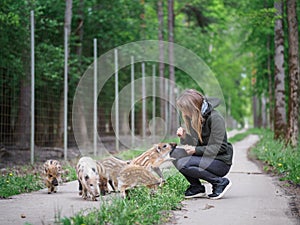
{"points": [[35, 131]]}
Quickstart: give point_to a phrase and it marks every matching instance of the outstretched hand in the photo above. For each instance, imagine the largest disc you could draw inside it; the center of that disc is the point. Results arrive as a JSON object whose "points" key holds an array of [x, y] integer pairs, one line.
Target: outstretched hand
{"points": [[190, 150], [181, 132]]}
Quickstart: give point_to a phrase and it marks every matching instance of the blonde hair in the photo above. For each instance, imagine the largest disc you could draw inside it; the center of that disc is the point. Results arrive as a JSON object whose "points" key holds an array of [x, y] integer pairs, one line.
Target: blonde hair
{"points": [[189, 103]]}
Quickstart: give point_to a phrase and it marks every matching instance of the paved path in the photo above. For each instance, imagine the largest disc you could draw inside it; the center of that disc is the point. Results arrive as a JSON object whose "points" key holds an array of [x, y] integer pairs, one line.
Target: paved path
{"points": [[42, 208], [253, 198]]}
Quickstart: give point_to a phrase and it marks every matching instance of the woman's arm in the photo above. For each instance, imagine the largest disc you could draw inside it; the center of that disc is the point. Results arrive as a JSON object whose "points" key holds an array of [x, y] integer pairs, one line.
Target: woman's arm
{"points": [[188, 140], [217, 143], [185, 138]]}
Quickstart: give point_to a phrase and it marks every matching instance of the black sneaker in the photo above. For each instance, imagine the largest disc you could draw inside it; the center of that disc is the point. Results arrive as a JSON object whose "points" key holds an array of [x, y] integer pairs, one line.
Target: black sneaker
{"points": [[195, 191], [220, 189]]}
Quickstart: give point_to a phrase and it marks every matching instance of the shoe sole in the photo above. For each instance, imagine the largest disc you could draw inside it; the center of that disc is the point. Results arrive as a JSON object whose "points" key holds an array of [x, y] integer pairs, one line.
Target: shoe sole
{"points": [[223, 193], [199, 195]]}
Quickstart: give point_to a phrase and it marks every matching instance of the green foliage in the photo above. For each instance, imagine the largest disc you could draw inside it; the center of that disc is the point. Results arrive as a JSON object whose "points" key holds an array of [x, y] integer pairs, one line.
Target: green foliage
{"points": [[142, 207], [214, 30], [69, 173], [264, 17], [13, 184], [279, 158]]}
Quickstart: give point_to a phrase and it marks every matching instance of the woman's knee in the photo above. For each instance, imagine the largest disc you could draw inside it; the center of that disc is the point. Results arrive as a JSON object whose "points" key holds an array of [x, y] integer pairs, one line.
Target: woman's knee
{"points": [[182, 164]]}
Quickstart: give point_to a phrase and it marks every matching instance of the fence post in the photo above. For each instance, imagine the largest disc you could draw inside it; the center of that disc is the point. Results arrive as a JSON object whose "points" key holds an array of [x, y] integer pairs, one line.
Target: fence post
{"points": [[143, 102], [95, 96], [66, 95], [32, 88], [153, 100], [167, 105], [132, 102], [117, 100]]}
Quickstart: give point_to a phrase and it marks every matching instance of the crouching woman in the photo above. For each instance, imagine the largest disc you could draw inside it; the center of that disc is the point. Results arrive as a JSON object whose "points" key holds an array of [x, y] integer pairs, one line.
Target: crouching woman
{"points": [[205, 153]]}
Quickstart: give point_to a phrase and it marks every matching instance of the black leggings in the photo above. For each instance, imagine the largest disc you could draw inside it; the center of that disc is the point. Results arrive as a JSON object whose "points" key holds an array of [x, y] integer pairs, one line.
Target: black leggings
{"points": [[197, 167]]}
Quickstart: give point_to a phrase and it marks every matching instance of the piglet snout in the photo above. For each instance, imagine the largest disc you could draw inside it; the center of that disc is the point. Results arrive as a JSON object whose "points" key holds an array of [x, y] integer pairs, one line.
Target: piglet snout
{"points": [[55, 182], [103, 192]]}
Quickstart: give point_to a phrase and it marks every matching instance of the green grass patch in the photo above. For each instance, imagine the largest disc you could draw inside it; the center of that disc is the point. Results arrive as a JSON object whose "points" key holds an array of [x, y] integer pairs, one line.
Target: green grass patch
{"points": [[13, 184], [25, 179], [143, 207], [69, 172], [278, 158]]}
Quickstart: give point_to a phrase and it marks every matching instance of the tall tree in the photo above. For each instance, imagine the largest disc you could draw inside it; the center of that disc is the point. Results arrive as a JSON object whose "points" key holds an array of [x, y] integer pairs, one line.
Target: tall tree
{"points": [[279, 110], [67, 27], [270, 85], [79, 32], [293, 113], [160, 15], [22, 132], [172, 115]]}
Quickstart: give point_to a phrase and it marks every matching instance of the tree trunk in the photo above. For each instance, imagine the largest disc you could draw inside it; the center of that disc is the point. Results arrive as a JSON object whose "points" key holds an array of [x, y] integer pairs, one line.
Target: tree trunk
{"points": [[279, 111], [23, 125], [67, 25], [264, 121], [270, 78], [79, 33], [160, 14], [255, 111], [172, 116], [22, 133], [293, 109]]}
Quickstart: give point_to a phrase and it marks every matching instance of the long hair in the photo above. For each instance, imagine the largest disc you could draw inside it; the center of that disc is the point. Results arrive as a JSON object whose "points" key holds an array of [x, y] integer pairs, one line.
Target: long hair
{"points": [[190, 103]]}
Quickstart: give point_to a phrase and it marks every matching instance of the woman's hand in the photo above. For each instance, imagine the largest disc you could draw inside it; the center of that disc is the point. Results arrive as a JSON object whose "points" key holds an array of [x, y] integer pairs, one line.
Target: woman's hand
{"points": [[181, 132], [190, 150]]}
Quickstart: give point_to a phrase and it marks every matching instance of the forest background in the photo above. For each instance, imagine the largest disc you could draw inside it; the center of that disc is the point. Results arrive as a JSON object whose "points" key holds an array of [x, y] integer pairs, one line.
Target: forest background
{"points": [[251, 46]]}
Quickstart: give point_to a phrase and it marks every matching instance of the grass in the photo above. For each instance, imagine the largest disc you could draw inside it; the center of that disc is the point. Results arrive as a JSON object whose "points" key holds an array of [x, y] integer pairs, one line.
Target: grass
{"points": [[25, 179], [278, 158], [13, 184]]}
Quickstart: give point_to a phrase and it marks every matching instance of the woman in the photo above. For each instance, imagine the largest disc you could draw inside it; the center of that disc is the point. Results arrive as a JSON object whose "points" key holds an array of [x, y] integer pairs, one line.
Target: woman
{"points": [[206, 154]]}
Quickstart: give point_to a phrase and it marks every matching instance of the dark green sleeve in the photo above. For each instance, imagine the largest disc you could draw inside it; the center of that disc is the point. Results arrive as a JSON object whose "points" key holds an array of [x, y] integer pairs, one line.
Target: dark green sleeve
{"points": [[189, 140]]}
